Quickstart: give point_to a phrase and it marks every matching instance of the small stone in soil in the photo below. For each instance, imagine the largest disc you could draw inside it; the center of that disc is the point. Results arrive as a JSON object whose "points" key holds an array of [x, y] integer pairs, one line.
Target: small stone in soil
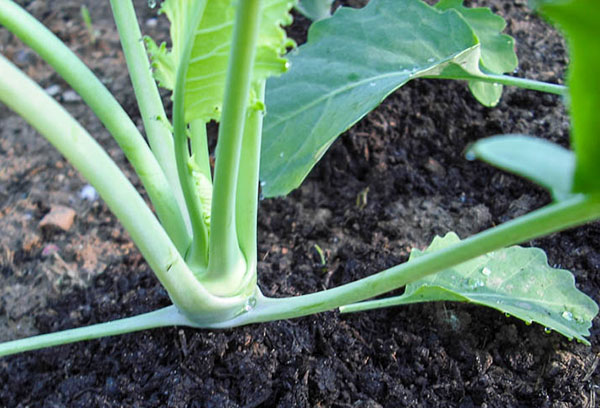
{"points": [[49, 250], [59, 217], [88, 193], [53, 89], [70, 96]]}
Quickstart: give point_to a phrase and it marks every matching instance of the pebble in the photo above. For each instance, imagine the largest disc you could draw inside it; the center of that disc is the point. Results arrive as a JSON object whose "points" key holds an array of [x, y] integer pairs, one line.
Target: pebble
{"points": [[59, 217], [435, 167], [53, 90], [49, 250], [70, 96], [25, 57], [88, 193]]}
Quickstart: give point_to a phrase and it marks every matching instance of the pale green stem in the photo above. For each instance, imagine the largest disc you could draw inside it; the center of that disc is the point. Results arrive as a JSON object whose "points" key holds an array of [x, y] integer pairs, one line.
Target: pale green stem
{"points": [[168, 316], [525, 83], [197, 256], [550, 219], [199, 146], [555, 217], [247, 184], [227, 266], [147, 96], [26, 98], [112, 115]]}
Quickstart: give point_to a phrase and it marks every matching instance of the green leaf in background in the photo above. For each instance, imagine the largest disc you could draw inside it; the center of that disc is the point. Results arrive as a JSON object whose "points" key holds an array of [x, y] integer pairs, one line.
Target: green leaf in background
{"points": [[350, 63], [315, 9], [497, 50], [514, 280], [205, 81], [538, 160], [580, 21]]}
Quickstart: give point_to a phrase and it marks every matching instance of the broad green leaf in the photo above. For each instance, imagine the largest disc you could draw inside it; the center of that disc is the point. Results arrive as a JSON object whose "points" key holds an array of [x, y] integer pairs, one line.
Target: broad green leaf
{"points": [[514, 280], [538, 160], [315, 9], [497, 50], [580, 21], [205, 80], [350, 63]]}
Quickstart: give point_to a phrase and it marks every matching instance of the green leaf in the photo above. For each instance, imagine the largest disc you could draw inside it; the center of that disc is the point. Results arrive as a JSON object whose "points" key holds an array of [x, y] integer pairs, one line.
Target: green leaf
{"points": [[349, 64], [487, 94], [514, 280], [497, 50], [538, 160], [205, 80], [580, 21]]}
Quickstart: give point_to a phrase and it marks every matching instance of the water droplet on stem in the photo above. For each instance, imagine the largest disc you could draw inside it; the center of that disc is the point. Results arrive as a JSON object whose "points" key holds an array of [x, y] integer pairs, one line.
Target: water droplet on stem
{"points": [[250, 304]]}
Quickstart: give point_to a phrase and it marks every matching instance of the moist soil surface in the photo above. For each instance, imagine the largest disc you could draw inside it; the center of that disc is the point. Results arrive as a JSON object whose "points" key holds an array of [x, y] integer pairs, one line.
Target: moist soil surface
{"points": [[389, 184]]}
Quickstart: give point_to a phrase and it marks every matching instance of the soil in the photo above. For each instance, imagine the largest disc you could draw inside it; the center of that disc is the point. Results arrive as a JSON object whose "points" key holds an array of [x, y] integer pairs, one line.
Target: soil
{"points": [[404, 164]]}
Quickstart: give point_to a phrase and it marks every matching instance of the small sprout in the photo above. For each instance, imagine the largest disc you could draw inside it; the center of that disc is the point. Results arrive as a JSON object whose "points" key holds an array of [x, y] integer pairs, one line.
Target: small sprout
{"points": [[87, 19], [361, 199], [321, 254]]}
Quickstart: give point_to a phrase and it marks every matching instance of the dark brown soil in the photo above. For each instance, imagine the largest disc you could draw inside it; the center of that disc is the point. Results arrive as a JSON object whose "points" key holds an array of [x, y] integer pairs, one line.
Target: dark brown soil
{"points": [[406, 161]]}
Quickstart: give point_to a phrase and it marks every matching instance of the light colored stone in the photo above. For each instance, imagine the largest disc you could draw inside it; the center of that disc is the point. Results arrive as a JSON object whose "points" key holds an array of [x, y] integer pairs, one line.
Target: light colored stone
{"points": [[59, 217]]}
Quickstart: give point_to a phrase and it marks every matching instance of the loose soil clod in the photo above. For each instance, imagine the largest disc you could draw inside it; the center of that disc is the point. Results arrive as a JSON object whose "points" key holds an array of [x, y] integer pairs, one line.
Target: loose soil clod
{"points": [[59, 217]]}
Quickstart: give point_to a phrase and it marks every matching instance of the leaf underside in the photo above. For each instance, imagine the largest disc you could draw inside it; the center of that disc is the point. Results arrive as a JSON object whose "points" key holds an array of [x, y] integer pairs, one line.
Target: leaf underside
{"points": [[514, 280], [580, 21], [205, 80], [350, 63], [538, 160], [315, 9]]}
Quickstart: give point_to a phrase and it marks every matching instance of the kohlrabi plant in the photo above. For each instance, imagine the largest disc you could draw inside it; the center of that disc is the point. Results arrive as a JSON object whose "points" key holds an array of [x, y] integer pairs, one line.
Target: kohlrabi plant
{"points": [[201, 240]]}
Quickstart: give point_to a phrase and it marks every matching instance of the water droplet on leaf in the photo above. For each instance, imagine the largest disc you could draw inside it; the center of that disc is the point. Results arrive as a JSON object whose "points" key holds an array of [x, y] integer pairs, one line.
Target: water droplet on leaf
{"points": [[486, 271], [472, 284], [567, 315], [547, 330], [151, 3]]}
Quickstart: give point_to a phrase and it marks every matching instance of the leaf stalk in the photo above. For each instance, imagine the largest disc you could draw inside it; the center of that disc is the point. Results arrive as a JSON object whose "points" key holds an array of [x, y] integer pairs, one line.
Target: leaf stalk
{"points": [[227, 265]]}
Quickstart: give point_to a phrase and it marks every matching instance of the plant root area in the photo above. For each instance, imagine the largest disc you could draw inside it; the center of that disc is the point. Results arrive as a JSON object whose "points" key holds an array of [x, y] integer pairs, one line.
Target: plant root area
{"points": [[389, 184]]}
